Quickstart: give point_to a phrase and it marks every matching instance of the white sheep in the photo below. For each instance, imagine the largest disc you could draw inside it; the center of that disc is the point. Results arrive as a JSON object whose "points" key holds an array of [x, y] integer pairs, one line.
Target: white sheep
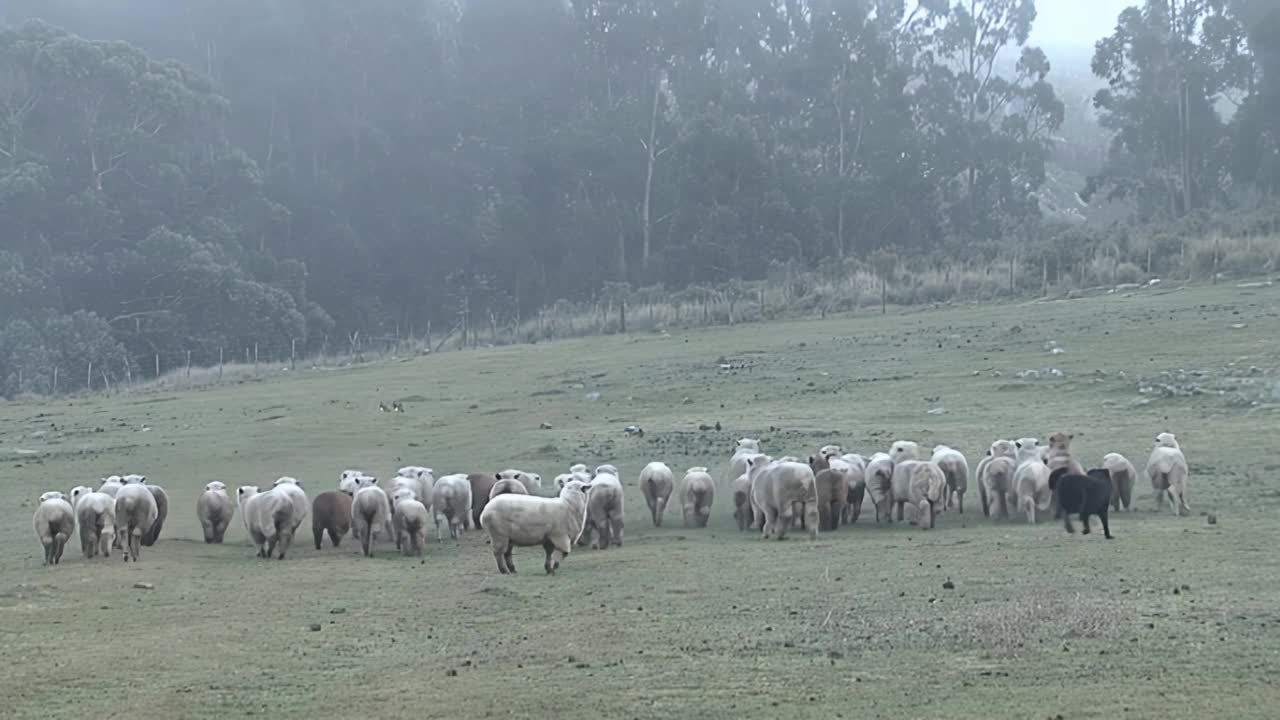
{"points": [[451, 498], [738, 461], [999, 448], [879, 478], [136, 512], [110, 485], [604, 510], [426, 478], [507, 485], [1167, 470], [697, 493], [54, 521], [1123, 477], [96, 516], [656, 484], [742, 501], [902, 450], [527, 520], [607, 469], [1031, 479], [532, 481], [291, 487], [955, 467], [269, 517], [369, 513], [854, 469], [214, 511], [410, 522], [777, 487], [923, 485]]}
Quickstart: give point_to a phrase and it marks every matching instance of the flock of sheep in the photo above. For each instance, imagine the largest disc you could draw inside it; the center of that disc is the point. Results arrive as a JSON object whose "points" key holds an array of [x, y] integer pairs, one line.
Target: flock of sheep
{"points": [[824, 491]]}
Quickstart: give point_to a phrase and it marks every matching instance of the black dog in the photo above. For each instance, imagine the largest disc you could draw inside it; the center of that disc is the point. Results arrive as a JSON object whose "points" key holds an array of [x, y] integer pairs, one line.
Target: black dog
{"points": [[1082, 494]]}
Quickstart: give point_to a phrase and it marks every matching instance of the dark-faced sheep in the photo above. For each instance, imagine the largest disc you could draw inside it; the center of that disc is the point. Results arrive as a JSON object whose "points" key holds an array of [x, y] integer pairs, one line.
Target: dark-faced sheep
{"points": [[136, 512], [331, 513], [1086, 495], [528, 520], [1123, 477], [656, 485], [697, 493], [54, 521], [1167, 470], [214, 510], [604, 510], [955, 468], [777, 488], [96, 518]]}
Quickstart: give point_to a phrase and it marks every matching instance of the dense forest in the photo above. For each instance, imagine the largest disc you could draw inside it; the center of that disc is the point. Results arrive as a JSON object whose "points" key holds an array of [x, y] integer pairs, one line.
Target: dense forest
{"points": [[180, 177]]}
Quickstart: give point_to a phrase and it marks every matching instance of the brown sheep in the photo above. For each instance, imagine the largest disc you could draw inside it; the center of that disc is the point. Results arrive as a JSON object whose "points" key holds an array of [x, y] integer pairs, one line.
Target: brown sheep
{"points": [[162, 511], [481, 484], [331, 513], [833, 491]]}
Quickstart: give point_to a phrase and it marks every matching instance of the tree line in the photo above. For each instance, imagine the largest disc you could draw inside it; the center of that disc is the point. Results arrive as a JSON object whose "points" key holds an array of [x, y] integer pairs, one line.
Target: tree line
{"points": [[183, 177]]}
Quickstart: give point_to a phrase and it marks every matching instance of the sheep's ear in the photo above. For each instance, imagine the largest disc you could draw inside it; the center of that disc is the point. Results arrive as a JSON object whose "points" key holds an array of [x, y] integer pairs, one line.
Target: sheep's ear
{"points": [[497, 476], [1017, 444], [1071, 436]]}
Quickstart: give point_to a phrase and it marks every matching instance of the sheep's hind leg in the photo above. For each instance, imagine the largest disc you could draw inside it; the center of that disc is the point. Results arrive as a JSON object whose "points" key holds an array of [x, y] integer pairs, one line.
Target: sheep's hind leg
{"points": [[1106, 527], [1084, 520], [506, 556], [549, 548]]}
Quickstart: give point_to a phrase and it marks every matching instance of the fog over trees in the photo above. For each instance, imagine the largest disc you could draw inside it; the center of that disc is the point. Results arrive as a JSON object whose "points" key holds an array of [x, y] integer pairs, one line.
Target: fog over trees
{"points": [[184, 178]]}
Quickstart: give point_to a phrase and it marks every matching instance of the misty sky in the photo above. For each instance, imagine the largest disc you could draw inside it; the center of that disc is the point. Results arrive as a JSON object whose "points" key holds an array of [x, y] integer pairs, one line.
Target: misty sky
{"points": [[1075, 22]]}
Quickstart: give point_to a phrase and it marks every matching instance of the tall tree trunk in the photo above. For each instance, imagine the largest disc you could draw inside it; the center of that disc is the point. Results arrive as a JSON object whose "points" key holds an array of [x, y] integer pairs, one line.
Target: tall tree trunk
{"points": [[646, 223]]}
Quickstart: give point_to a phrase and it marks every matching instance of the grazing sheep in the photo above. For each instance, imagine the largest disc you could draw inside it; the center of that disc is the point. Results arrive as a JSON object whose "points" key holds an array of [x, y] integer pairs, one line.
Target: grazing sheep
{"points": [[269, 516], [1031, 479], [526, 520], [697, 493], [96, 516], [331, 513], [604, 510], [742, 501], [136, 512], [738, 461], [53, 521], [369, 508], [656, 484], [776, 488], [214, 511], [904, 450], [955, 467], [923, 485], [1167, 469], [150, 537], [410, 522], [1123, 476], [831, 487], [879, 479], [508, 485], [854, 469], [453, 500], [1083, 494]]}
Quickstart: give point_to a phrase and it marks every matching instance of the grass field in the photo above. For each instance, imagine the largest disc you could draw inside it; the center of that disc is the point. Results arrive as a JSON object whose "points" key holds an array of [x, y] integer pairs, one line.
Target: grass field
{"points": [[1176, 618]]}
